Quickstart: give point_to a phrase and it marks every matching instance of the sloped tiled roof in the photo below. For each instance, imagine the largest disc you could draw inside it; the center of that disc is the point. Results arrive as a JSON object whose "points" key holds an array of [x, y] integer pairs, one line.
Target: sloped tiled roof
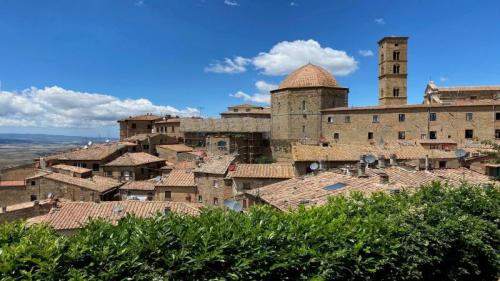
{"points": [[95, 183], [146, 117], [70, 168], [141, 137], [270, 171], [73, 215], [309, 75], [12, 184], [176, 147], [309, 190], [134, 159], [140, 185], [216, 165], [178, 178], [96, 152], [352, 152]]}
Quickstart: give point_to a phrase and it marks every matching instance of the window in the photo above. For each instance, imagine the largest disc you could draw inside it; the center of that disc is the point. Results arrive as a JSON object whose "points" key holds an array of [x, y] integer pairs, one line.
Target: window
{"points": [[468, 116], [395, 55], [216, 201], [330, 119], [432, 135], [216, 183], [303, 129], [395, 92], [381, 57], [497, 116], [375, 119], [172, 129], [432, 116], [235, 110], [442, 164], [145, 146], [32, 197], [402, 117], [370, 135], [109, 173], [395, 69], [33, 182], [303, 105], [469, 134], [423, 136], [81, 165], [149, 127], [168, 195], [336, 136], [134, 126], [401, 135], [200, 199], [95, 167], [497, 134], [347, 119]]}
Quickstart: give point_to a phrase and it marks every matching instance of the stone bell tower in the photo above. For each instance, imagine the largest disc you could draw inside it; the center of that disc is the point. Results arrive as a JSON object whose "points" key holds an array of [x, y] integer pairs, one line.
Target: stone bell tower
{"points": [[393, 61]]}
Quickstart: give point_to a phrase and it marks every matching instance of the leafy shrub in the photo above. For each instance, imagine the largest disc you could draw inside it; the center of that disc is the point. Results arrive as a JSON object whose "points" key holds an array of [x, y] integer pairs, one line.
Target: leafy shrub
{"points": [[437, 233]]}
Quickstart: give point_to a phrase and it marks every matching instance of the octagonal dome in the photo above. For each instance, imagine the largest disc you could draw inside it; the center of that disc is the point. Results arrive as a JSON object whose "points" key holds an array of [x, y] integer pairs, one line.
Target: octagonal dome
{"points": [[307, 76]]}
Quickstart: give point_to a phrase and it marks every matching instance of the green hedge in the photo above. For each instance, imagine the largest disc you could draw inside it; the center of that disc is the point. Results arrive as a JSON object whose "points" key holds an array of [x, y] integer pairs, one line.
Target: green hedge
{"points": [[437, 233]]}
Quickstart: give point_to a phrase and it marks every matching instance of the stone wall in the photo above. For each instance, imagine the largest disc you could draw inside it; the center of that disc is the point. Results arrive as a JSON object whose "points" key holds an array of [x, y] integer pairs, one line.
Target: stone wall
{"points": [[141, 127], [178, 194], [13, 195], [221, 125], [17, 173], [142, 172], [450, 123], [25, 211], [40, 188], [213, 189]]}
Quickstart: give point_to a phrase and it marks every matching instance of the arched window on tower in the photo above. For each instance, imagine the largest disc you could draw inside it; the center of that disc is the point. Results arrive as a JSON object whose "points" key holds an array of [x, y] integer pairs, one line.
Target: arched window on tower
{"points": [[395, 55], [303, 105], [395, 92], [395, 68]]}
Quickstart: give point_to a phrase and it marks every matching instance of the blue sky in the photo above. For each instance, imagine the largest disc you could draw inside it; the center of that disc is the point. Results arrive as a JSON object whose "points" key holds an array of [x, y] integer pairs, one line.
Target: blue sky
{"points": [[130, 56]]}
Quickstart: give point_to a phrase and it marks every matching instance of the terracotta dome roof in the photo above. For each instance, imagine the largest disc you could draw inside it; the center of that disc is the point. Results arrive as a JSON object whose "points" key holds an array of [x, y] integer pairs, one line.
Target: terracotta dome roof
{"points": [[309, 75]]}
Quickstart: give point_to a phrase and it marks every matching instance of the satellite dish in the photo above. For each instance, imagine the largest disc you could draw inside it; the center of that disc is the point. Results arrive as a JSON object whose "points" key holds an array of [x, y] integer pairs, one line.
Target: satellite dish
{"points": [[460, 153], [370, 159], [90, 143], [314, 166], [107, 141], [85, 147]]}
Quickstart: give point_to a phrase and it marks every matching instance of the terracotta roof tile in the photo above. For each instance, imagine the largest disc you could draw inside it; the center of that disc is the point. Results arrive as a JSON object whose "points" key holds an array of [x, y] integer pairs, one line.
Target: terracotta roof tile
{"points": [[146, 117], [134, 159], [95, 183], [73, 215], [96, 152], [178, 178], [176, 147], [141, 137], [309, 190], [309, 75], [70, 168], [271, 171], [140, 185], [216, 165], [12, 184]]}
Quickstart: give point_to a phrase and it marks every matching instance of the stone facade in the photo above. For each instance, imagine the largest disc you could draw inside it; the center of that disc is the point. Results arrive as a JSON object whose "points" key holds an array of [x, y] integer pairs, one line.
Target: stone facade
{"points": [[17, 173], [176, 194], [213, 189], [142, 124], [39, 189], [371, 124], [140, 172], [10, 195], [393, 70]]}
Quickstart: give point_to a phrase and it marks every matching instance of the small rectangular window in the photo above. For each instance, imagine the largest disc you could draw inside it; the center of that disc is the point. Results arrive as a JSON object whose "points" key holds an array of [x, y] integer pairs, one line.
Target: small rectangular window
{"points": [[33, 182], [216, 201], [375, 119], [32, 197], [423, 136], [168, 195], [134, 126], [469, 134], [402, 117], [497, 134], [395, 92], [401, 135], [347, 119], [468, 116], [95, 167], [336, 136], [497, 116], [330, 119], [432, 135], [370, 135], [432, 116], [200, 199]]}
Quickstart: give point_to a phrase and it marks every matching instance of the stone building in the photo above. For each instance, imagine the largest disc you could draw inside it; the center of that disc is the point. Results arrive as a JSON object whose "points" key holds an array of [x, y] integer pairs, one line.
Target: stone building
{"points": [[134, 166], [210, 177], [246, 110], [12, 192], [50, 184], [446, 95], [176, 153], [178, 186], [170, 126], [143, 190], [134, 125], [93, 157], [72, 171], [148, 142], [296, 107]]}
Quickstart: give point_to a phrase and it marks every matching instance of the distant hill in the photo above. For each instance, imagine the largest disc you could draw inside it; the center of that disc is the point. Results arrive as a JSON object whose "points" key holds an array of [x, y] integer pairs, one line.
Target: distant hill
{"points": [[46, 139]]}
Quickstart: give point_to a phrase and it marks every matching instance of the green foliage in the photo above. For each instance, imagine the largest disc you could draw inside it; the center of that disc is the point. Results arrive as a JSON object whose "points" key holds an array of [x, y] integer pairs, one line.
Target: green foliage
{"points": [[495, 154], [437, 233]]}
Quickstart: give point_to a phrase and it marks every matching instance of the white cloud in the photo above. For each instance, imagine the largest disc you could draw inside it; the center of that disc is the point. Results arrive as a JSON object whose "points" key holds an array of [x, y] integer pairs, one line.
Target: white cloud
{"points": [[61, 108], [140, 3], [286, 56], [235, 65], [443, 79], [380, 21], [231, 3], [366, 53], [263, 95], [293, 4]]}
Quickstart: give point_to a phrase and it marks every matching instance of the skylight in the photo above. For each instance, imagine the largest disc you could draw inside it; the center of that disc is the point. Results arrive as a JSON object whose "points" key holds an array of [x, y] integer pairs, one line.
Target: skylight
{"points": [[336, 186]]}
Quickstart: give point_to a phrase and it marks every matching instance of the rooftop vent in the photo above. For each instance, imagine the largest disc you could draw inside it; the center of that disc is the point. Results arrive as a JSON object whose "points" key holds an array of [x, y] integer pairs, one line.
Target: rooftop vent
{"points": [[335, 186]]}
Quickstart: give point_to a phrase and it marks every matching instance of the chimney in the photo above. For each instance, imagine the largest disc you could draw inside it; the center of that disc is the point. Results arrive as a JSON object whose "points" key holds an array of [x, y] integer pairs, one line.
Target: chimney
{"points": [[381, 161], [361, 167], [393, 161], [384, 178]]}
